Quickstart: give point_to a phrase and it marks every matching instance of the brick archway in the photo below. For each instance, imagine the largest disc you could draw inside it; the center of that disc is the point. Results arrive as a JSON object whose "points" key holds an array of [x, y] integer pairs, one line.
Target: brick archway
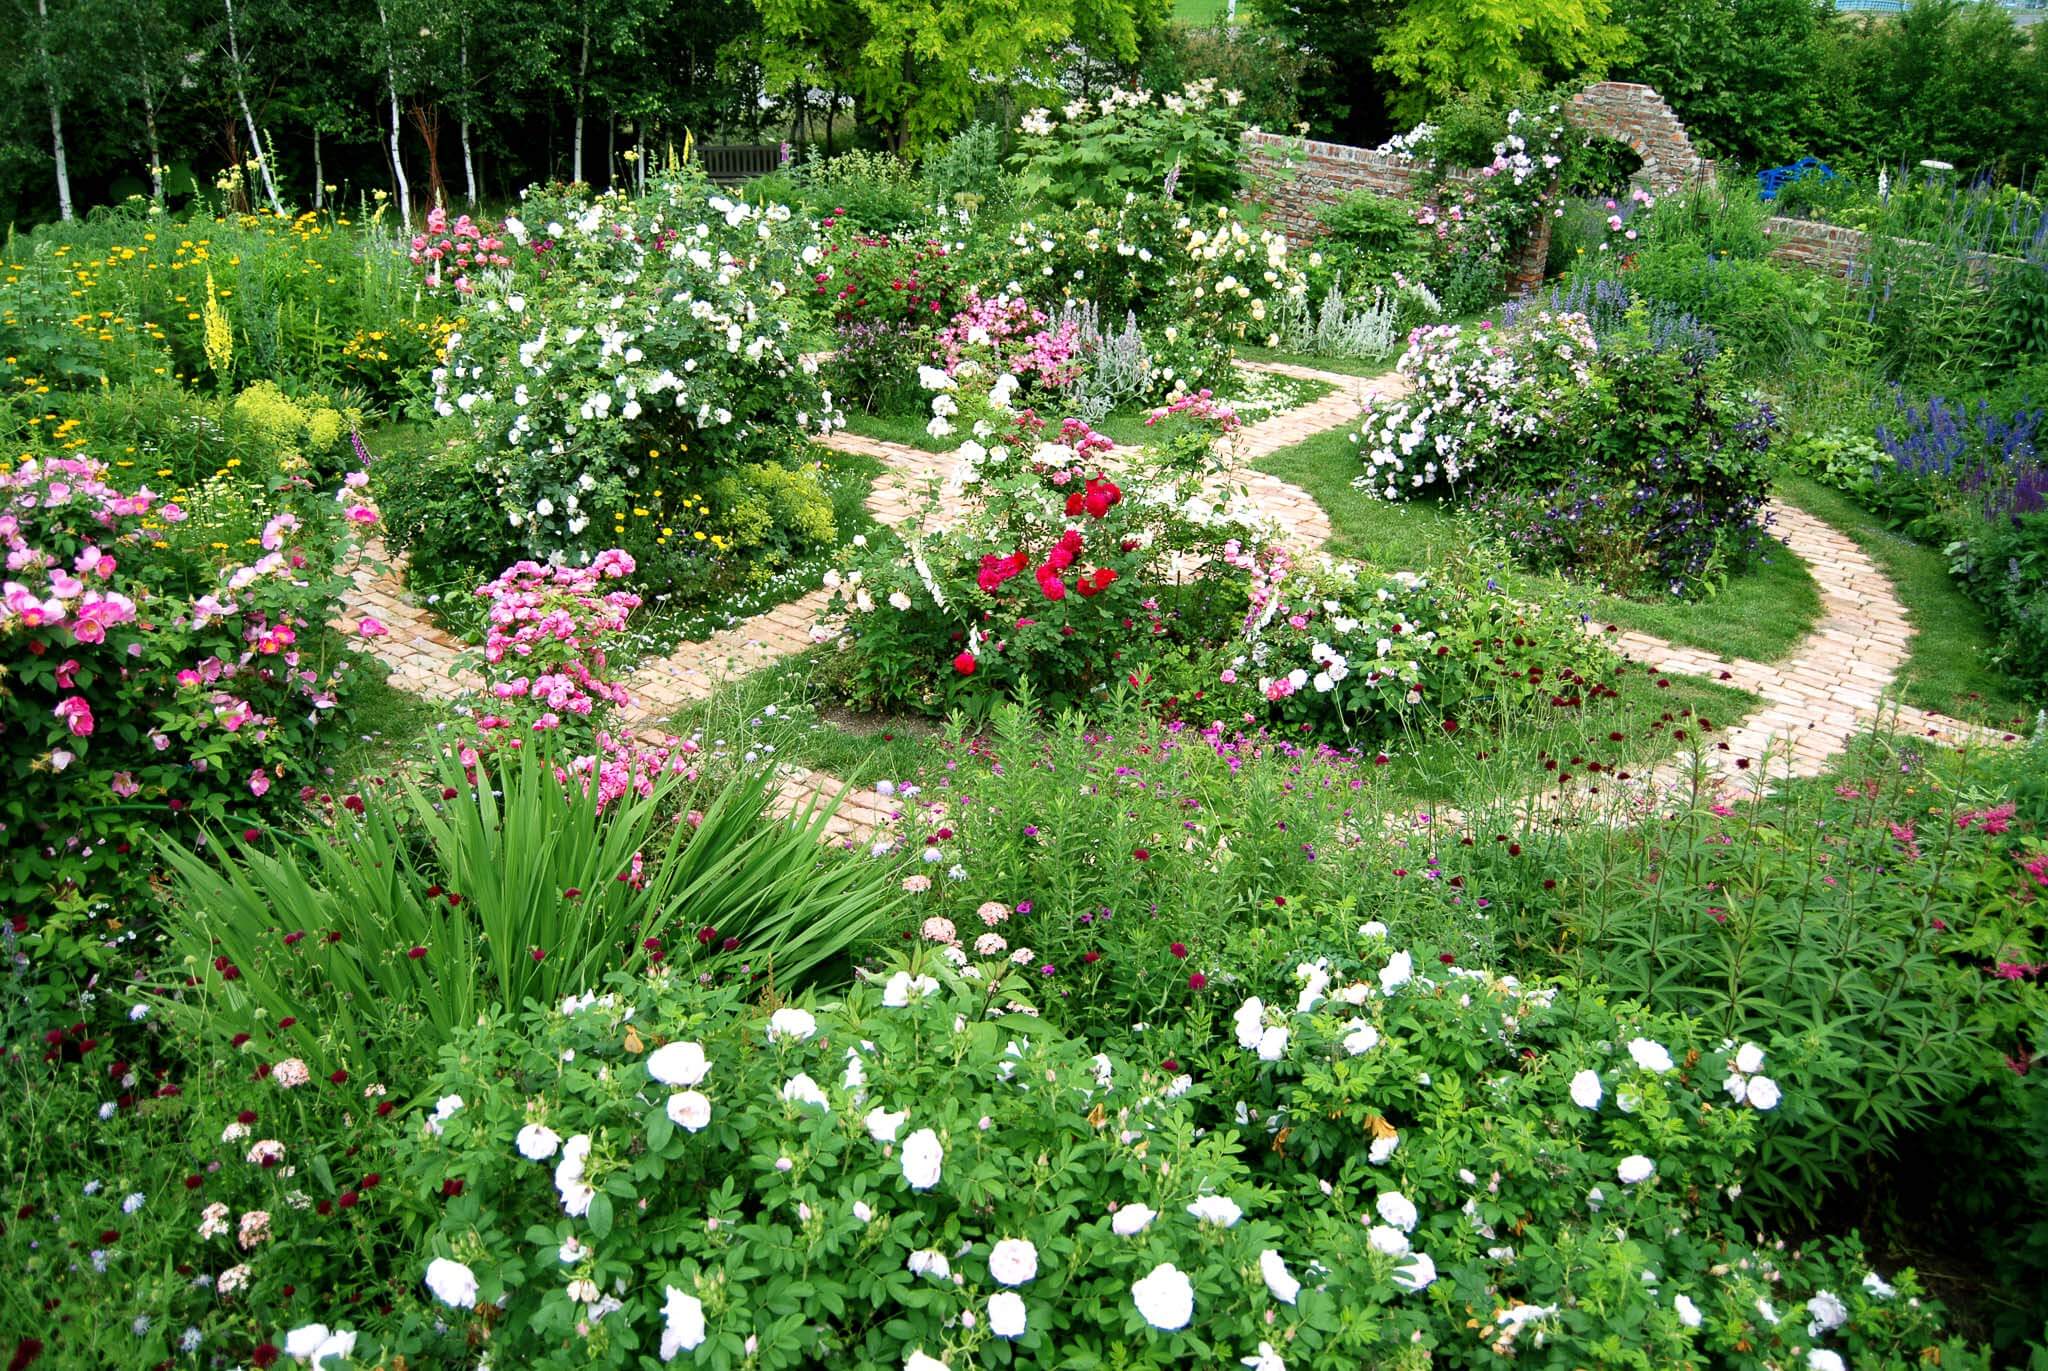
{"points": [[1637, 115]]}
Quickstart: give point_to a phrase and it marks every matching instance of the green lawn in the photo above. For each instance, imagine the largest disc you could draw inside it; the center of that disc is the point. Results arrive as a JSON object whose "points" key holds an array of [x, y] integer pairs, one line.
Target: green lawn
{"points": [[1760, 615], [1946, 664], [1203, 13], [1343, 366]]}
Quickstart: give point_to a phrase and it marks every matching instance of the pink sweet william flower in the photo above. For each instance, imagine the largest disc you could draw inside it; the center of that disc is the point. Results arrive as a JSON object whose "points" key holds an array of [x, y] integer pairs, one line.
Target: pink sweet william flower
{"points": [[76, 714], [372, 627]]}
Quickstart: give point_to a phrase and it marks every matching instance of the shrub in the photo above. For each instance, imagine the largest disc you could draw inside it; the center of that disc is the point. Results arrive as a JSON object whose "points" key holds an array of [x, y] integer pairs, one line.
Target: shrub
{"points": [[1370, 240], [949, 618], [1182, 146], [154, 683], [1336, 653], [915, 1163], [966, 171], [874, 191], [647, 367]]}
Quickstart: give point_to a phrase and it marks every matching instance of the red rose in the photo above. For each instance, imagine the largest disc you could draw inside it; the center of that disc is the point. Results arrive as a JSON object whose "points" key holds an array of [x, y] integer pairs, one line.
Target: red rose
{"points": [[964, 664]]}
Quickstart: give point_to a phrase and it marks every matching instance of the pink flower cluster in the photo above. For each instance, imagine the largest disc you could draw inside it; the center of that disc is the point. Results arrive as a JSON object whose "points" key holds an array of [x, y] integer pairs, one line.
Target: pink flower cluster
{"points": [[1201, 405], [1015, 331], [549, 622], [453, 251]]}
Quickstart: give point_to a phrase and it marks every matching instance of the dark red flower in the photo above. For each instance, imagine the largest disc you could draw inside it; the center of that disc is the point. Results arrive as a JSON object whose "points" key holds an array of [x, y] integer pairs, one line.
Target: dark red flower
{"points": [[1090, 958], [1142, 854], [339, 1075], [540, 954], [25, 1351], [417, 953], [451, 1188], [384, 1107], [1197, 981], [287, 1021], [964, 664], [350, 1199], [247, 1116], [264, 1354], [1178, 949]]}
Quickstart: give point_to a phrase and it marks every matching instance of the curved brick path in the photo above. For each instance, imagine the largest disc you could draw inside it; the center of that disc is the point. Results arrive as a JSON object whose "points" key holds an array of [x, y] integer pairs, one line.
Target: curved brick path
{"points": [[1829, 689]]}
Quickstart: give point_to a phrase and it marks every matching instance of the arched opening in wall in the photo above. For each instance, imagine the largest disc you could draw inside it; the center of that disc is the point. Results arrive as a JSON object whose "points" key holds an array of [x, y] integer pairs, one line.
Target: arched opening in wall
{"points": [[1604, 167], [1599, 200]]}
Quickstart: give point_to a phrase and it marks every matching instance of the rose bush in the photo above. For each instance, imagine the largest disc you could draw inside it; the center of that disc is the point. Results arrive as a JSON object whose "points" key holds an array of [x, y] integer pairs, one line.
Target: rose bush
{"points": [[648, 391], [153, 683]]}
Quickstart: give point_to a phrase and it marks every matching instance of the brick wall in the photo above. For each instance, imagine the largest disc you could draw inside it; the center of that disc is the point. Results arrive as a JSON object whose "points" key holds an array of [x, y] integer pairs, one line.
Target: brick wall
{"points": [[1824, 247], [1300, 177]]}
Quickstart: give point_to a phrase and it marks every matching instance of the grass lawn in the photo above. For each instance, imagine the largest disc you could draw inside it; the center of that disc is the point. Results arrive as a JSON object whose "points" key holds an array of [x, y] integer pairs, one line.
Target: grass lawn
{"points": [[1947, 667], [1202, 13], [1759, 615], [1343, 366]]}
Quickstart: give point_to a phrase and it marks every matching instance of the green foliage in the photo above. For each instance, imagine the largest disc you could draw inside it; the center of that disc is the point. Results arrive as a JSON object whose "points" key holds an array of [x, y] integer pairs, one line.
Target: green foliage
{"points": [[418, 907], [1369, 239], [1134, 143], [966, 171], [1498, 50], [875, 191], [918, 71]]}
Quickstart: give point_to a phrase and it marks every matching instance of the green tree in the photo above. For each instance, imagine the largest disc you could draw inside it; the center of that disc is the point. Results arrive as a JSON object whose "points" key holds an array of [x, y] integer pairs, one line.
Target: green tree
{"points": [[1492, 50], [1746, 77], [919, 67]]}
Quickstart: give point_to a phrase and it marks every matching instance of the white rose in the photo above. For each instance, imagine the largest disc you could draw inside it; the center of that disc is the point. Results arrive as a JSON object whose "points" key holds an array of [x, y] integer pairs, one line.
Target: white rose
{"points": [[1586, 1091], [1399, 970], [801, 1089], [684, 1316], [537, 1142], [1749, 1058], [1397, 1209], [1166, 1297], [678, 1064], [922, 1159], [1279, 1280], [1006, 1314], [452, 1283], [1650, 1056], [1013, 1261], [930, 1262], [1688, 1312], [1220, 1210], [1763, 1092], [1419, 1272], [689, 1110], [791, 1023], [1132, 1220], [1635, 1167], [883, 1126]]}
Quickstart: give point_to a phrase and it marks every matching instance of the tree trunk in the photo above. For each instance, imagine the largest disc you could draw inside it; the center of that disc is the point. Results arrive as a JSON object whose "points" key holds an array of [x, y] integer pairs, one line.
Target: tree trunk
{"points": [[56, 110], [248, 118], [468, 157], [427, 119], [319, 174], [156, 156], [397, 153], [582, 80]]}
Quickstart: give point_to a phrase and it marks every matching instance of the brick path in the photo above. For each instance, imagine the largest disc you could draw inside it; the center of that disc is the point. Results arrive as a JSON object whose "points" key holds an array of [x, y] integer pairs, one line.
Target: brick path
{"points": [[1829, 689]]}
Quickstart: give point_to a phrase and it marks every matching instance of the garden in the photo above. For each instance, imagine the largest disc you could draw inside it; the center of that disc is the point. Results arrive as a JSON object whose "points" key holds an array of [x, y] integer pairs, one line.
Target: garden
{"points": [[1041, 733]]}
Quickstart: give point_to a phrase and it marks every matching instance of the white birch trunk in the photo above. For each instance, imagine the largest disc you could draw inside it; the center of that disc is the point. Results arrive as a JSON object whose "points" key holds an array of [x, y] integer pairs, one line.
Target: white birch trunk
{"points": [[397, 153], [468, 157], [56, 113], [319, 175], [582, 79], [248, 118]]}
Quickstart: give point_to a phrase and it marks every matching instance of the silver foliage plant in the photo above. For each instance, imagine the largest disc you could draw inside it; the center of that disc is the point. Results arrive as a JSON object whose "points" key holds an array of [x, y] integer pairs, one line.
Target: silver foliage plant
{"points": [[1117, 361], [1343, 327]]}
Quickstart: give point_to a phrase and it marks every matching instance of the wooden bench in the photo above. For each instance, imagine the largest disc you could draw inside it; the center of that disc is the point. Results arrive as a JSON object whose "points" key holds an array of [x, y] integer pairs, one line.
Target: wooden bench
{"points": [[736, 162]]}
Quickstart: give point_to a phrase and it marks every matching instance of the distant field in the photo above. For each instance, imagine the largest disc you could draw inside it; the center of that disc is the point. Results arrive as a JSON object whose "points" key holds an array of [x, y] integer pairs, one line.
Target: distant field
{"points": [[1203, 12]]}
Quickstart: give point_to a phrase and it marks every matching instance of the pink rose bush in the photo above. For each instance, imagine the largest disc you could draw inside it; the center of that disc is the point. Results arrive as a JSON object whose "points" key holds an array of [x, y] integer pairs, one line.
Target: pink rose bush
{"points": [[146, 685], [453, 252], [547, 669]]}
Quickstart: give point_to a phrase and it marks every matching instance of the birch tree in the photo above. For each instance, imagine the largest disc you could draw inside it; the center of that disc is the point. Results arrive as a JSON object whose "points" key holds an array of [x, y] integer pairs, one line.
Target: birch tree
{"points": [[241, 57], [49, 42]]}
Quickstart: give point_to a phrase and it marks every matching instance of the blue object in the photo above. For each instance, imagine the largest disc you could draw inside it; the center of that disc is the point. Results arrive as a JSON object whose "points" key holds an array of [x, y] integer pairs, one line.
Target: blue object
{"points": [[1770, 180]]}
